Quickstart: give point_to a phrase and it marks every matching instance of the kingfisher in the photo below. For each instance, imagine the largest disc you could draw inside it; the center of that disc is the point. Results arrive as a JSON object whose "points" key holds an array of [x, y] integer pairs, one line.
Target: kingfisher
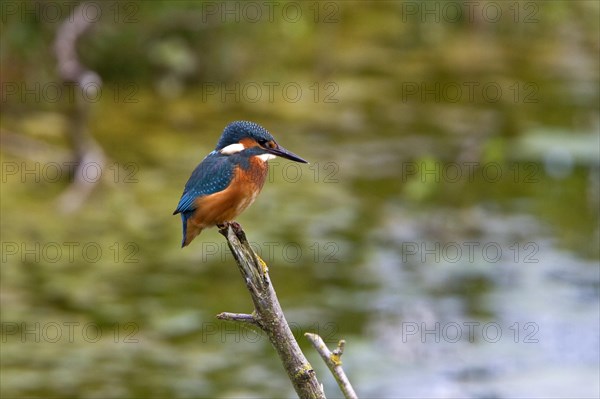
{"points": [[229, 179]]}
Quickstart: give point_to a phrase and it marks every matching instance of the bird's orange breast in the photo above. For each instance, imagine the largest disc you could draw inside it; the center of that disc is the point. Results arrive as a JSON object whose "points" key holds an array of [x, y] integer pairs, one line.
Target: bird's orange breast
{"points": [[226, 205]]}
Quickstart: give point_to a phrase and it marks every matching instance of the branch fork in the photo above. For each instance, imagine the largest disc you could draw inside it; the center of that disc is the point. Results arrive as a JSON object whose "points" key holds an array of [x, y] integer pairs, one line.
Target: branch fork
{"points": [[269, 317]]}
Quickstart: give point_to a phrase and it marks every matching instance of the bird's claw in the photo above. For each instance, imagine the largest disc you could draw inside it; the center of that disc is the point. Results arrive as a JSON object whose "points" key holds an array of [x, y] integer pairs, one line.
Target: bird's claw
{"points": [[235, 226], [222, 227]]}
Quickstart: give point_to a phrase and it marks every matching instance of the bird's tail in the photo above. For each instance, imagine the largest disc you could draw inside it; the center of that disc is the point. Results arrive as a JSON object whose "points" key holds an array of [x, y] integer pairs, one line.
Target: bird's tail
{"points": [[190, 231]]}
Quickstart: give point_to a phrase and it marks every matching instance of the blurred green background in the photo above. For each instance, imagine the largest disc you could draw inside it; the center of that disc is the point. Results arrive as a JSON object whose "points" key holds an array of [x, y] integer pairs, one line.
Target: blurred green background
{"points": [[447, 226]]}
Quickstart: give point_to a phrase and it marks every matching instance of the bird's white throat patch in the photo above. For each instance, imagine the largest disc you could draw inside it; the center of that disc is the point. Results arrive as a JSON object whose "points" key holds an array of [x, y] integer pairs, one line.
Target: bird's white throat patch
{"points": [[239, 147], [232, 149], [266, 157]]}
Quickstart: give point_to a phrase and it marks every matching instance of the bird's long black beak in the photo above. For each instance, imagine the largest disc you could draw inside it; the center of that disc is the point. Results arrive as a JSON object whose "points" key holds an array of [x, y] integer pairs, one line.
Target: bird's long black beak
{"points": [[282, 152]]}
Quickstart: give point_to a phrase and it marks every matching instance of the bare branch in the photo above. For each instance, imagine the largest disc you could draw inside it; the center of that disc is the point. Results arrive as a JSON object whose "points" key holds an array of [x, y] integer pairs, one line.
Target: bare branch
{"points": [[241, 317], [86, 150], [334, 363], [268, 315]]}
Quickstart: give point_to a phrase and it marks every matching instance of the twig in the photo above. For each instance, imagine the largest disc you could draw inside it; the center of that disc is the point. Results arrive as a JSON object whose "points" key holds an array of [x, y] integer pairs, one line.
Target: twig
{"points": [[334, 362], [241, 317], [86, 150], [268, 315]]}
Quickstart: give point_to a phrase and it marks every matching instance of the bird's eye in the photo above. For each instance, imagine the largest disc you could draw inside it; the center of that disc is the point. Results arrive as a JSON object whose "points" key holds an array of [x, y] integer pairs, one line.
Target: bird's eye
{"points": [[267, 143]]}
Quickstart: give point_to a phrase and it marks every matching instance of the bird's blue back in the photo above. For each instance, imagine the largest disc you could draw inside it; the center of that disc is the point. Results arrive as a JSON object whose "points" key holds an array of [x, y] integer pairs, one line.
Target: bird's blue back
{"points": [[212, 175]]}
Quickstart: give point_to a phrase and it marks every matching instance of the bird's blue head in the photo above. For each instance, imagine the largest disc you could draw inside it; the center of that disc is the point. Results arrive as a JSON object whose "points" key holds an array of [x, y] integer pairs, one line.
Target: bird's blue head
{"points": [[252, 139]]}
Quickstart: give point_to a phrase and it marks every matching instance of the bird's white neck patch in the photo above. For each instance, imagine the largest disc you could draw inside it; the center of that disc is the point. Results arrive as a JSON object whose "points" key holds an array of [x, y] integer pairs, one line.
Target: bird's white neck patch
{"points": [[232, 149], [266, 157]]}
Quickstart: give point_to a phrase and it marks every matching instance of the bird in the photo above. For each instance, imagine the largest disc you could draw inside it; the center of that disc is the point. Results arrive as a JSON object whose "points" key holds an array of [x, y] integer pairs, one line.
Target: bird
{"points": [[228, 179]]}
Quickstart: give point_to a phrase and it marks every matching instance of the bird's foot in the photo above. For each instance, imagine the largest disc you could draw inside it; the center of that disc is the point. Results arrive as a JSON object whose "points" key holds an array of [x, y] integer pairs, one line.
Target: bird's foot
{"points": [[237, 228]]}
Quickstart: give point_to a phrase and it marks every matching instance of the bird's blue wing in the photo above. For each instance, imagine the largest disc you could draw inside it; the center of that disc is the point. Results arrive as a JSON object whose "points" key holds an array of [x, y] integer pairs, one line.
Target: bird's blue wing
{"points": [[212, 175]]}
